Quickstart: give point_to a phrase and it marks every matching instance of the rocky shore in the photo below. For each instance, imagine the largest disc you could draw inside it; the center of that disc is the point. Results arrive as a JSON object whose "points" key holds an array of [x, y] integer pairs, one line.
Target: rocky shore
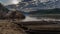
{"points": [[10, 28], [36, 26]]}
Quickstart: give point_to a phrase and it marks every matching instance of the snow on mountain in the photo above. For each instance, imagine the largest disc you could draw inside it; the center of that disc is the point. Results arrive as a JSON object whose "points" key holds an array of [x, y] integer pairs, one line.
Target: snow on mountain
{"points": [[36, 5]]}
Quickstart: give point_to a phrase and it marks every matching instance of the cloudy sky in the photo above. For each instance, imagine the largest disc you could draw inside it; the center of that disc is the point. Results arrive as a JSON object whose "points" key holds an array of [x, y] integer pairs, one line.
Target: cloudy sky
{"points": [[6, 2]]}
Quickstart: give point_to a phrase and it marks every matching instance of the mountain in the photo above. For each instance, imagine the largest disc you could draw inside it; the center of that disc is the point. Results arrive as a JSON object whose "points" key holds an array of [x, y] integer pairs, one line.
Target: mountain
{"points": [[3, 10], [35, 5]]}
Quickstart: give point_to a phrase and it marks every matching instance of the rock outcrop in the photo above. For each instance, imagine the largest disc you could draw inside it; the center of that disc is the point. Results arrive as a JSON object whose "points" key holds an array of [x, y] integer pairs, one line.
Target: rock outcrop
{"points": [[15, 15]]}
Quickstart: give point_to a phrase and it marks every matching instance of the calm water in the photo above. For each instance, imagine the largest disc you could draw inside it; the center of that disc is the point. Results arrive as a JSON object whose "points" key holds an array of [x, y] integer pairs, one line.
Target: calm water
{"points": [[28, 18]]}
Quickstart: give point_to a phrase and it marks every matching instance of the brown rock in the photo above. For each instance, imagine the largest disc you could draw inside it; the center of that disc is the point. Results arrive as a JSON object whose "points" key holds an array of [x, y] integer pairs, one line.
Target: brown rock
{"points": [[10, 28], [15, 15]]}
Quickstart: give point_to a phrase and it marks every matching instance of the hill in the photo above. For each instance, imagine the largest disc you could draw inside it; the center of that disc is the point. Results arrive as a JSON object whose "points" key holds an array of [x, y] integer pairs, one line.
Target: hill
{"points": [[3, 10]]}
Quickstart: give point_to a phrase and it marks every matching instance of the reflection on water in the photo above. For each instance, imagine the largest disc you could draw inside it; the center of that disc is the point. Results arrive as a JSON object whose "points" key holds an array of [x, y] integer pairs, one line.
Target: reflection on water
{"points": [[41, 17], [31, 19], [28, 18], [44, 32]]}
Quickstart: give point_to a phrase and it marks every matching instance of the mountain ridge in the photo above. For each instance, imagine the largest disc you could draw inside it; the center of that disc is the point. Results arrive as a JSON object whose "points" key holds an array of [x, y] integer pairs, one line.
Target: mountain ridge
{"points": [[32, 5]]}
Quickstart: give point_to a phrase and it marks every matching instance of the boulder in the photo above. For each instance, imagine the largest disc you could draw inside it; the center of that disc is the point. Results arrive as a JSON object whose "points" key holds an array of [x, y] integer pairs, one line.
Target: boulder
{"points": [[15, 15]]}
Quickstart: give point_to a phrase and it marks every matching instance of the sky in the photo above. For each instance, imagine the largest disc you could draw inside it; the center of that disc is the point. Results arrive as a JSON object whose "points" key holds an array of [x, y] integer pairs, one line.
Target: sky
{"points": [[7, 2]]}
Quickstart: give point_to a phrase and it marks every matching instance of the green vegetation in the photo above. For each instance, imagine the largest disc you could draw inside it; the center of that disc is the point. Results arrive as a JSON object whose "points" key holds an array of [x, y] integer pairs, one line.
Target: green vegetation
{"points": [[48, 11]]}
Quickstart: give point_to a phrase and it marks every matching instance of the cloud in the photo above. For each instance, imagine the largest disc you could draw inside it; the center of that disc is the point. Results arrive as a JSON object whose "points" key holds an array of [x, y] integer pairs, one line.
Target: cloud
{"points": [[19, 0], [7, 2]]}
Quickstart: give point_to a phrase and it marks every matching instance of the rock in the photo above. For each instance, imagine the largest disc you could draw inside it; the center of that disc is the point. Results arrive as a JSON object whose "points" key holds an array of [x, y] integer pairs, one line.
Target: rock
{"points": [[10, 28], [15, 15]]}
